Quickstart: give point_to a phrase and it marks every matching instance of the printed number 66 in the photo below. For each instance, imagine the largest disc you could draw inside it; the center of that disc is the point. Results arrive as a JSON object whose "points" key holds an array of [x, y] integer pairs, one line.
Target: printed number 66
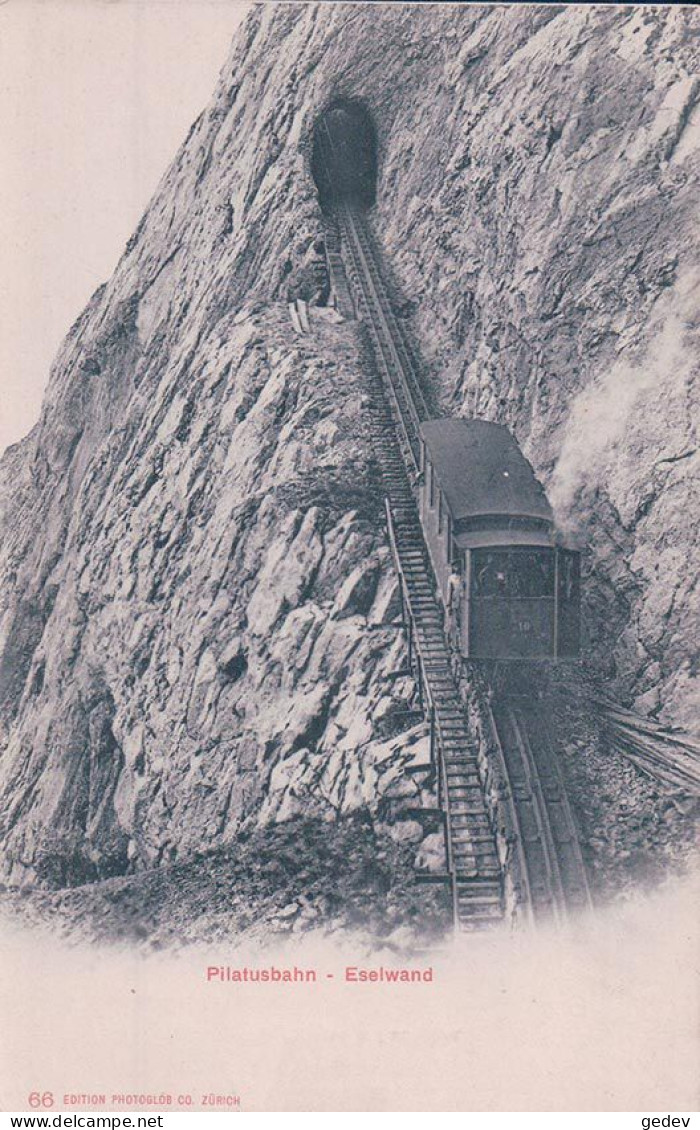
{"points": [[35, 1099]]}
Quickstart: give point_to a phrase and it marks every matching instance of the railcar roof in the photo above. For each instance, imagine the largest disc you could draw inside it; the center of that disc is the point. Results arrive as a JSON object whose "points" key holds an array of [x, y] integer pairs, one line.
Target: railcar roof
{"points": [[481, 470]]}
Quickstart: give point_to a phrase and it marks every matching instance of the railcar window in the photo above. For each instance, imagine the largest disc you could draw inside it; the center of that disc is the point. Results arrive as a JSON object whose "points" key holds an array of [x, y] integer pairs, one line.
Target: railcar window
{"points": [[440, 511], [431, 472]]}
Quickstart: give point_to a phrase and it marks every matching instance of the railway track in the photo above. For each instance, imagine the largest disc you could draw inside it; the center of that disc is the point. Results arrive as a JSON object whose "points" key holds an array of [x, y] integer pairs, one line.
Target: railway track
{"points": [[551, 876]]}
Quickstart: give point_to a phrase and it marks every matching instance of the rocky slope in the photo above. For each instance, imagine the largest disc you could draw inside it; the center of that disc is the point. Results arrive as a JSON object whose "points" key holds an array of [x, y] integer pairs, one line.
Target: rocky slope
{"points": [[197, 612]]}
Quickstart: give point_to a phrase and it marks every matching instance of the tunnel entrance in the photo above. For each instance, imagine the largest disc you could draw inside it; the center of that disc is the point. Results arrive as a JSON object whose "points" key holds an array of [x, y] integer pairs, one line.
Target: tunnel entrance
{"points": [[344, 155]]}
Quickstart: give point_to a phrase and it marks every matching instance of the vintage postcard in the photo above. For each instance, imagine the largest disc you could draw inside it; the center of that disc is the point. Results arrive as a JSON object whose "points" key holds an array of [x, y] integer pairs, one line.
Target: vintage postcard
{"points": [[350, 755]]}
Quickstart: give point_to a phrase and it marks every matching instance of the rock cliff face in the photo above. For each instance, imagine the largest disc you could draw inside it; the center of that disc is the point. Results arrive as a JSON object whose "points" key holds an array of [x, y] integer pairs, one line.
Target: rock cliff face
{"points": [[197, 607]]}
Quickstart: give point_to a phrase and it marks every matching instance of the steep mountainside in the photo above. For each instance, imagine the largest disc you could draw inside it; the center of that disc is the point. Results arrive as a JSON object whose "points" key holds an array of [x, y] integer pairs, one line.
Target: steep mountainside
{"points": [[197, 609]]}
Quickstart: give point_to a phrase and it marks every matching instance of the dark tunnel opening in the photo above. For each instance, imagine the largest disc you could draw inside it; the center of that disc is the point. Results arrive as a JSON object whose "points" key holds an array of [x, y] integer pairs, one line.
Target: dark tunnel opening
{"points": [[344, 155]]}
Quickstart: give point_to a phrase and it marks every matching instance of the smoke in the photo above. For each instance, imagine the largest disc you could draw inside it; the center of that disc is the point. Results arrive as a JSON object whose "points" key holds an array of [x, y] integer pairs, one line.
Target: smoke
{"points": [[628, 398]]}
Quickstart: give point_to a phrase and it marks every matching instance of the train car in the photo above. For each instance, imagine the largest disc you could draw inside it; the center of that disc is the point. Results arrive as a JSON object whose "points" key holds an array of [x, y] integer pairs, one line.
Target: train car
{"points": [[487, 520]]}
